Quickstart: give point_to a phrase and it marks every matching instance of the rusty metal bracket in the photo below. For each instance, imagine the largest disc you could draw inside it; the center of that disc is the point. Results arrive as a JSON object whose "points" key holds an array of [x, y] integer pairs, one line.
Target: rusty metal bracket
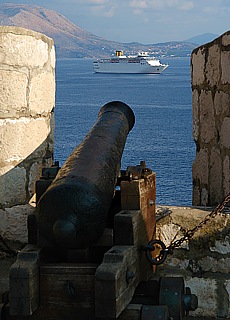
{"points": [[137, 172]]}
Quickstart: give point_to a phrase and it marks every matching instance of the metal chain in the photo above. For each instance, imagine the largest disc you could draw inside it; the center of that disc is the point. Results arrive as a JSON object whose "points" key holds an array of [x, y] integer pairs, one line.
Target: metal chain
{"points": [[163, 251], [188, 234], [4, 246]]}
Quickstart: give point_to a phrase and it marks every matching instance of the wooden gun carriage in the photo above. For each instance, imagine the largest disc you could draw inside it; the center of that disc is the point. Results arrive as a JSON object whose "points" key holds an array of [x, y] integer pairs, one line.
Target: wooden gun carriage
{"points": [[85, 257]]}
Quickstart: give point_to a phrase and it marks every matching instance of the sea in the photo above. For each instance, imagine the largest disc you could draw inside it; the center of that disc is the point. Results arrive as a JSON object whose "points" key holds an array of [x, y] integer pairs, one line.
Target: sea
{"points": [[162, 134]]}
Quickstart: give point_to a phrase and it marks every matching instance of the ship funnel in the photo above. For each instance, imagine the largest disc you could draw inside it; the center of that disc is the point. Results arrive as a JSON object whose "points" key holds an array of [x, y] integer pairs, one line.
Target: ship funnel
{"points": [[119, 53]]}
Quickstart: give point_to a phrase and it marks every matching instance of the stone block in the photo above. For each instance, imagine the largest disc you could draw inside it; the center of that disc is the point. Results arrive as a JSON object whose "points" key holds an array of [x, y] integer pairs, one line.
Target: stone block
{"points": [[12, 186], [176, 263], [27, 48], [226, 39], [13, 223], [52, 57], [213, 65], [167, 232], [195, 113], [210, 264], [30, 133], [227, 288], [204, 197], [221, 103], [198, 66], [225, 67], [215, 179], [13, 85], [196, 197], [200, 166], [222, 246], [42, 94], [226, 175], [206, 291], [207, 119], [34, 175], [225, 133]]}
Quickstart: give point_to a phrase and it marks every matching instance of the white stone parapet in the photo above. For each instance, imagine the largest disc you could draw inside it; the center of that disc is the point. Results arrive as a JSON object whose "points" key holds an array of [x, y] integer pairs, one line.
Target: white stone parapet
{"points": [[27, 99]]}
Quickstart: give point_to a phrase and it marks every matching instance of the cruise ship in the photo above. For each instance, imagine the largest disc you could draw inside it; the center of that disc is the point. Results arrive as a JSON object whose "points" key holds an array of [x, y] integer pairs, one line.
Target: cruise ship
{"points": [[141, 63]]}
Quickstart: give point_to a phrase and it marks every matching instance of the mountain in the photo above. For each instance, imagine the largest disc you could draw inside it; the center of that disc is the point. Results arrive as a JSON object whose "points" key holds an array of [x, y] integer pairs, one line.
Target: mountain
{"points": [[74, 42], [203, 38], [70, 40]]}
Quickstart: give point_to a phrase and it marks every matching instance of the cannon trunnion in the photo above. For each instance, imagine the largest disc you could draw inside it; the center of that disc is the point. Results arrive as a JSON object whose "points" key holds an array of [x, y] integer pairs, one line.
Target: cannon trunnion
{"points": [[85, 257]]}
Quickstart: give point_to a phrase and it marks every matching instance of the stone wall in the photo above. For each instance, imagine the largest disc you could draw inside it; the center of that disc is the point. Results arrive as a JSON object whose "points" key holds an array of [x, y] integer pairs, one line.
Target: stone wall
{"points": [[27, 97], [210, 68], [203, 261]]}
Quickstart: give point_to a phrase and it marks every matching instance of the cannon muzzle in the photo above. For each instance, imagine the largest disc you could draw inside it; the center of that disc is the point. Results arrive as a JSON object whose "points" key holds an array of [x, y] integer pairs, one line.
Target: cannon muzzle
{"points": [[72, 213]]}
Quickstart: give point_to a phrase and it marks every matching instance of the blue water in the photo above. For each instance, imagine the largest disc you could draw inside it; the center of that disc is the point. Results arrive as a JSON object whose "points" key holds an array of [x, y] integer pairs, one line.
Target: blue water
{"points": [[162, 135]]}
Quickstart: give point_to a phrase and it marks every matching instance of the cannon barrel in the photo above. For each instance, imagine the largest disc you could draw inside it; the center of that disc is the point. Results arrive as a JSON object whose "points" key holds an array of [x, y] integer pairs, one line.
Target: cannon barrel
{"points": [[72, 213]]}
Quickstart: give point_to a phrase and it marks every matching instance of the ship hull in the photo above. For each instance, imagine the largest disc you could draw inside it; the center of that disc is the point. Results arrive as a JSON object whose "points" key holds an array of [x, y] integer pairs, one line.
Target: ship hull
{"points": [[127, 68]]}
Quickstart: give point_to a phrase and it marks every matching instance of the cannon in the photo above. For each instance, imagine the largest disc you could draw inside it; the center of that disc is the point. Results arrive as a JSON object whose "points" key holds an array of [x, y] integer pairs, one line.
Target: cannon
{"points": [[86, 251], [72, 213]]}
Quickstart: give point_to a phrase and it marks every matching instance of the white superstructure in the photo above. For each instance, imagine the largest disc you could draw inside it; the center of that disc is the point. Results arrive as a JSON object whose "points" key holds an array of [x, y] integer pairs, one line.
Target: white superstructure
{"points": [[141, 63]]}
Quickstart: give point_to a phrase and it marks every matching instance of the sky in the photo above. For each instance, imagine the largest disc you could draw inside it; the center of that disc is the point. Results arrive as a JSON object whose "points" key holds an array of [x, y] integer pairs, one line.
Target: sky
{"points": [[145, 21]]}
